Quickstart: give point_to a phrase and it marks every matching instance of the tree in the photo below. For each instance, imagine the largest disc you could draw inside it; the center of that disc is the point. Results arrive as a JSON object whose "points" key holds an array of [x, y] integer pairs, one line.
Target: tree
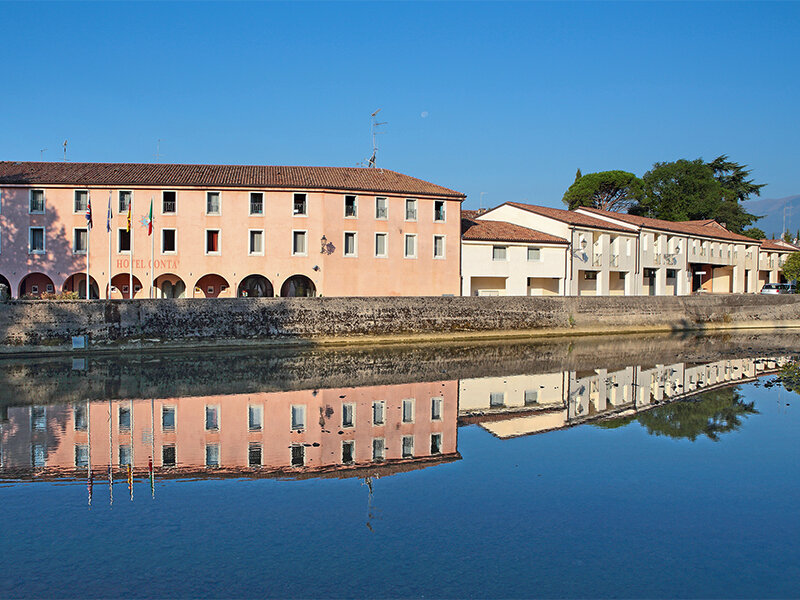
{"points": [[755, 233], [608, 190], [693, 189], [791, 268], [787, 237], [578, 174]]}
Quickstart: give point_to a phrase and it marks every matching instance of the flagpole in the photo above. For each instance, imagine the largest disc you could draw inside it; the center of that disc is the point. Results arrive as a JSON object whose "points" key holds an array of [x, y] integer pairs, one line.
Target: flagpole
{"points": [[89, 452], [130, 262], [152, 446], [88, 240], [110, 454], [152, 251]]}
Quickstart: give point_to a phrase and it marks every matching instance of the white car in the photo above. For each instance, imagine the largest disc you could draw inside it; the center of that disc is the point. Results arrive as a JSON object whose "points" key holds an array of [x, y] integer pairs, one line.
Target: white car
{"points": [[779, 288]]}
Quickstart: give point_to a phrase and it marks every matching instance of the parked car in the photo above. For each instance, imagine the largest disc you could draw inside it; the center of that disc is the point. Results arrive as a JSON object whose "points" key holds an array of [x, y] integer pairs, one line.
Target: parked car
{"points": [[779, 288]]}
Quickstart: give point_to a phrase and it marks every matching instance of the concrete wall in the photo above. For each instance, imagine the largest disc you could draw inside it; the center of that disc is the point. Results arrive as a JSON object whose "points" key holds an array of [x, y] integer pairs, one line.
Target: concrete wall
{"points": [[187, 322]]}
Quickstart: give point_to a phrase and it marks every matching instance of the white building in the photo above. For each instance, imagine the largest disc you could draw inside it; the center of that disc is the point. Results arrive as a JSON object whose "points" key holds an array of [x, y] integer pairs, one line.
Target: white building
{"points": [[771, 258]]}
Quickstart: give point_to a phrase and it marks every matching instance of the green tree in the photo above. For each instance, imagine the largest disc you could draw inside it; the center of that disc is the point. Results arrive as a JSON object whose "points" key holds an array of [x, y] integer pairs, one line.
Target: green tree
{"points": [[791, 268], [578, 174], [608, 190], [787, 237], [755, 233], [693, 189]]}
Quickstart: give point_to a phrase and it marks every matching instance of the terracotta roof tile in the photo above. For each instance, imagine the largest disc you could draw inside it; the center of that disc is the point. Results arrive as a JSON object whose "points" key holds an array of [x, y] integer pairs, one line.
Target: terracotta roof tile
{"points": [[778, 245], [219, 176], [701, 228], [568, 216], [499, 231]]}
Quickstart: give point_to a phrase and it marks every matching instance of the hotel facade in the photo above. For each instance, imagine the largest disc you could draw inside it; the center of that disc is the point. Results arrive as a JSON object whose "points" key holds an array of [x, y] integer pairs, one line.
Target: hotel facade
{"points": [[225, 231]]}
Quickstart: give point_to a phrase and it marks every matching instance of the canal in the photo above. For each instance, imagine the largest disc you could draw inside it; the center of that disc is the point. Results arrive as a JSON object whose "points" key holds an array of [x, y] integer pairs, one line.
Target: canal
{"points": [[647, 466]]}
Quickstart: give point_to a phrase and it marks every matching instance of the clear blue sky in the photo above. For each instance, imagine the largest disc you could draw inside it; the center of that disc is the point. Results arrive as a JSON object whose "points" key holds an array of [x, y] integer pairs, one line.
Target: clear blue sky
{"points": [[515, 96]]}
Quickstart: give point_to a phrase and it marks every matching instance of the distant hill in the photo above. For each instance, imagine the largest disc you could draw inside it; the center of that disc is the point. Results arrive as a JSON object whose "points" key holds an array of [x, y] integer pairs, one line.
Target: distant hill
{"points": [[772, 209]]}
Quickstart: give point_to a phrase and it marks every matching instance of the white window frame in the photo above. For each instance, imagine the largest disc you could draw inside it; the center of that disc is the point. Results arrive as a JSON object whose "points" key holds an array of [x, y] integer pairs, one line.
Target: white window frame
{"points": [[353, 421], [505, 253], [303, 426], [405, 245], [444, 246], [386, 200], [175, 212], [75, 197], [444, 211], [305, 204], [353, 455], [75, 231], [44, 201], [385, 245], [538, 249], [119, 240], [260, 410], [305, 233], [210, 214], [263, 242], [175, 417], [411, 402], [219, 241], [30, 241], [416, 209], [354, 254], [250, 204], [174, 230], [119, 198], [437, 400], [355, 206], [205, 417]]}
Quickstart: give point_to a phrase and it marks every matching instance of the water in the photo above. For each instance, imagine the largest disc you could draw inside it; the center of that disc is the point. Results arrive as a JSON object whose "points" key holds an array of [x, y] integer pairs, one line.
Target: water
{"points": [[648, 467]]}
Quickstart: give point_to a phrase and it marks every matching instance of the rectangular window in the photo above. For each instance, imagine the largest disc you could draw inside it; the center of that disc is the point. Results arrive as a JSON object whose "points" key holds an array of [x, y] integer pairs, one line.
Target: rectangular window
{"points": [[213, 203], [212, 417], [298, 417], [592, 274], [82, 456], [438, 246], [378, 449], [378, 413], [408, 410], [36, 206], [410, 246], [256, 242], [168, 456], [300, 204], [408, 446], [169, 243], [81, 200], [298, 456], [254, 454], [212, 455], [212, 241], [169, 202], [438, 210], [80, 239], [79, 419], [168, 418], [299, 243], [349, 243], [531, 397], [255, 417], [381, 208], [380, 245], [123, 241], [411, 209], [348, 452], [436, 443], [350, 206], [124, 201], [436, 409], [256, 203], [534, 253], [348, 415], [499, 252], [39, 455], [125, 455], [36, 241], [497, 399], [124, 417]]}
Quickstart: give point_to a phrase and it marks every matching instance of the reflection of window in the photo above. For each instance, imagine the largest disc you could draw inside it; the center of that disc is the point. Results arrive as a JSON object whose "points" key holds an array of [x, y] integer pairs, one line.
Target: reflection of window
{"points": [[38, 455], [168, 456], [436, 443], [436, 409], [378, 449], [212, 455], [408, 446], [408, 411], [348, 451], [81, 456], [168, 418], [79, 418], [212, 418], [254, 454], [124, 417], [298, 456], [255, 417], [497, 399], [378, 410], [298, 417], [348, 415], [38, 418], [531, 397], [125, 455]]}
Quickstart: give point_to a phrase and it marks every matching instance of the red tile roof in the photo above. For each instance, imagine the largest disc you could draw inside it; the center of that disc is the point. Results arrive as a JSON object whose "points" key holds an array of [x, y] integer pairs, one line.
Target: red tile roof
{"points": [[499, 231], [568, 216], [778, 245], [701, 228], [219, 176]]}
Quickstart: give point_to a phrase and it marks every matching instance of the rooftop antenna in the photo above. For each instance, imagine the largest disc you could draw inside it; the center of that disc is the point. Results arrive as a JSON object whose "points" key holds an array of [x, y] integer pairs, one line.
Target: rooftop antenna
{"points": [[41, 154], [375, 133], [480, 202], [65, 150]]}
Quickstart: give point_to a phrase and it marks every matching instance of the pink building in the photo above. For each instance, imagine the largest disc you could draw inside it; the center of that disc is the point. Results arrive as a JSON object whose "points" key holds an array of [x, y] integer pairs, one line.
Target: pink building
{"points": [[226, 230]]}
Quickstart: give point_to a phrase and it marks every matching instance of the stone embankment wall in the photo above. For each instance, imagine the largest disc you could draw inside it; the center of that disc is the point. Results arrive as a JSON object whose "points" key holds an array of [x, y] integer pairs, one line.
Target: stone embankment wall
{"points": [[195, 322]]}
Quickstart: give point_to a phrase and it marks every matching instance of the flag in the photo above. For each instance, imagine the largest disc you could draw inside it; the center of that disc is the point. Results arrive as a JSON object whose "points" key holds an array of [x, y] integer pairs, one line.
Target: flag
{"points": [[89, 213], [129, 217], [108, 218], [150, 219]]}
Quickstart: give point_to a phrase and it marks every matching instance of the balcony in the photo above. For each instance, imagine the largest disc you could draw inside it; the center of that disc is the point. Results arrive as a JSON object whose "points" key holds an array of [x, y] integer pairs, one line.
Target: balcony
{"points": [[597, 260], [168, 207], [614, 260]]}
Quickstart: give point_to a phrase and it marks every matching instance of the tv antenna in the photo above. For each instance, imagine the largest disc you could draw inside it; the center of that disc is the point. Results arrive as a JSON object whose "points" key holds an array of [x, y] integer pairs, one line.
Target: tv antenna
{"points": [[375, 133], [65, 150], [41, 154]]}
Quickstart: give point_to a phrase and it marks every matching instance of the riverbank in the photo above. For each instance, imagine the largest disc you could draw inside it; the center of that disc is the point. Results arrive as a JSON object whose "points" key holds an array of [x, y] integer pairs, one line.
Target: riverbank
{"points": [[103, 325]]}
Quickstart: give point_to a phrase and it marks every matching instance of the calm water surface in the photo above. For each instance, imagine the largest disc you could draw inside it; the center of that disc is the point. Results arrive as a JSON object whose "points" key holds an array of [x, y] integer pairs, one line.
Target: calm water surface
{"points": [[616, 468]]}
